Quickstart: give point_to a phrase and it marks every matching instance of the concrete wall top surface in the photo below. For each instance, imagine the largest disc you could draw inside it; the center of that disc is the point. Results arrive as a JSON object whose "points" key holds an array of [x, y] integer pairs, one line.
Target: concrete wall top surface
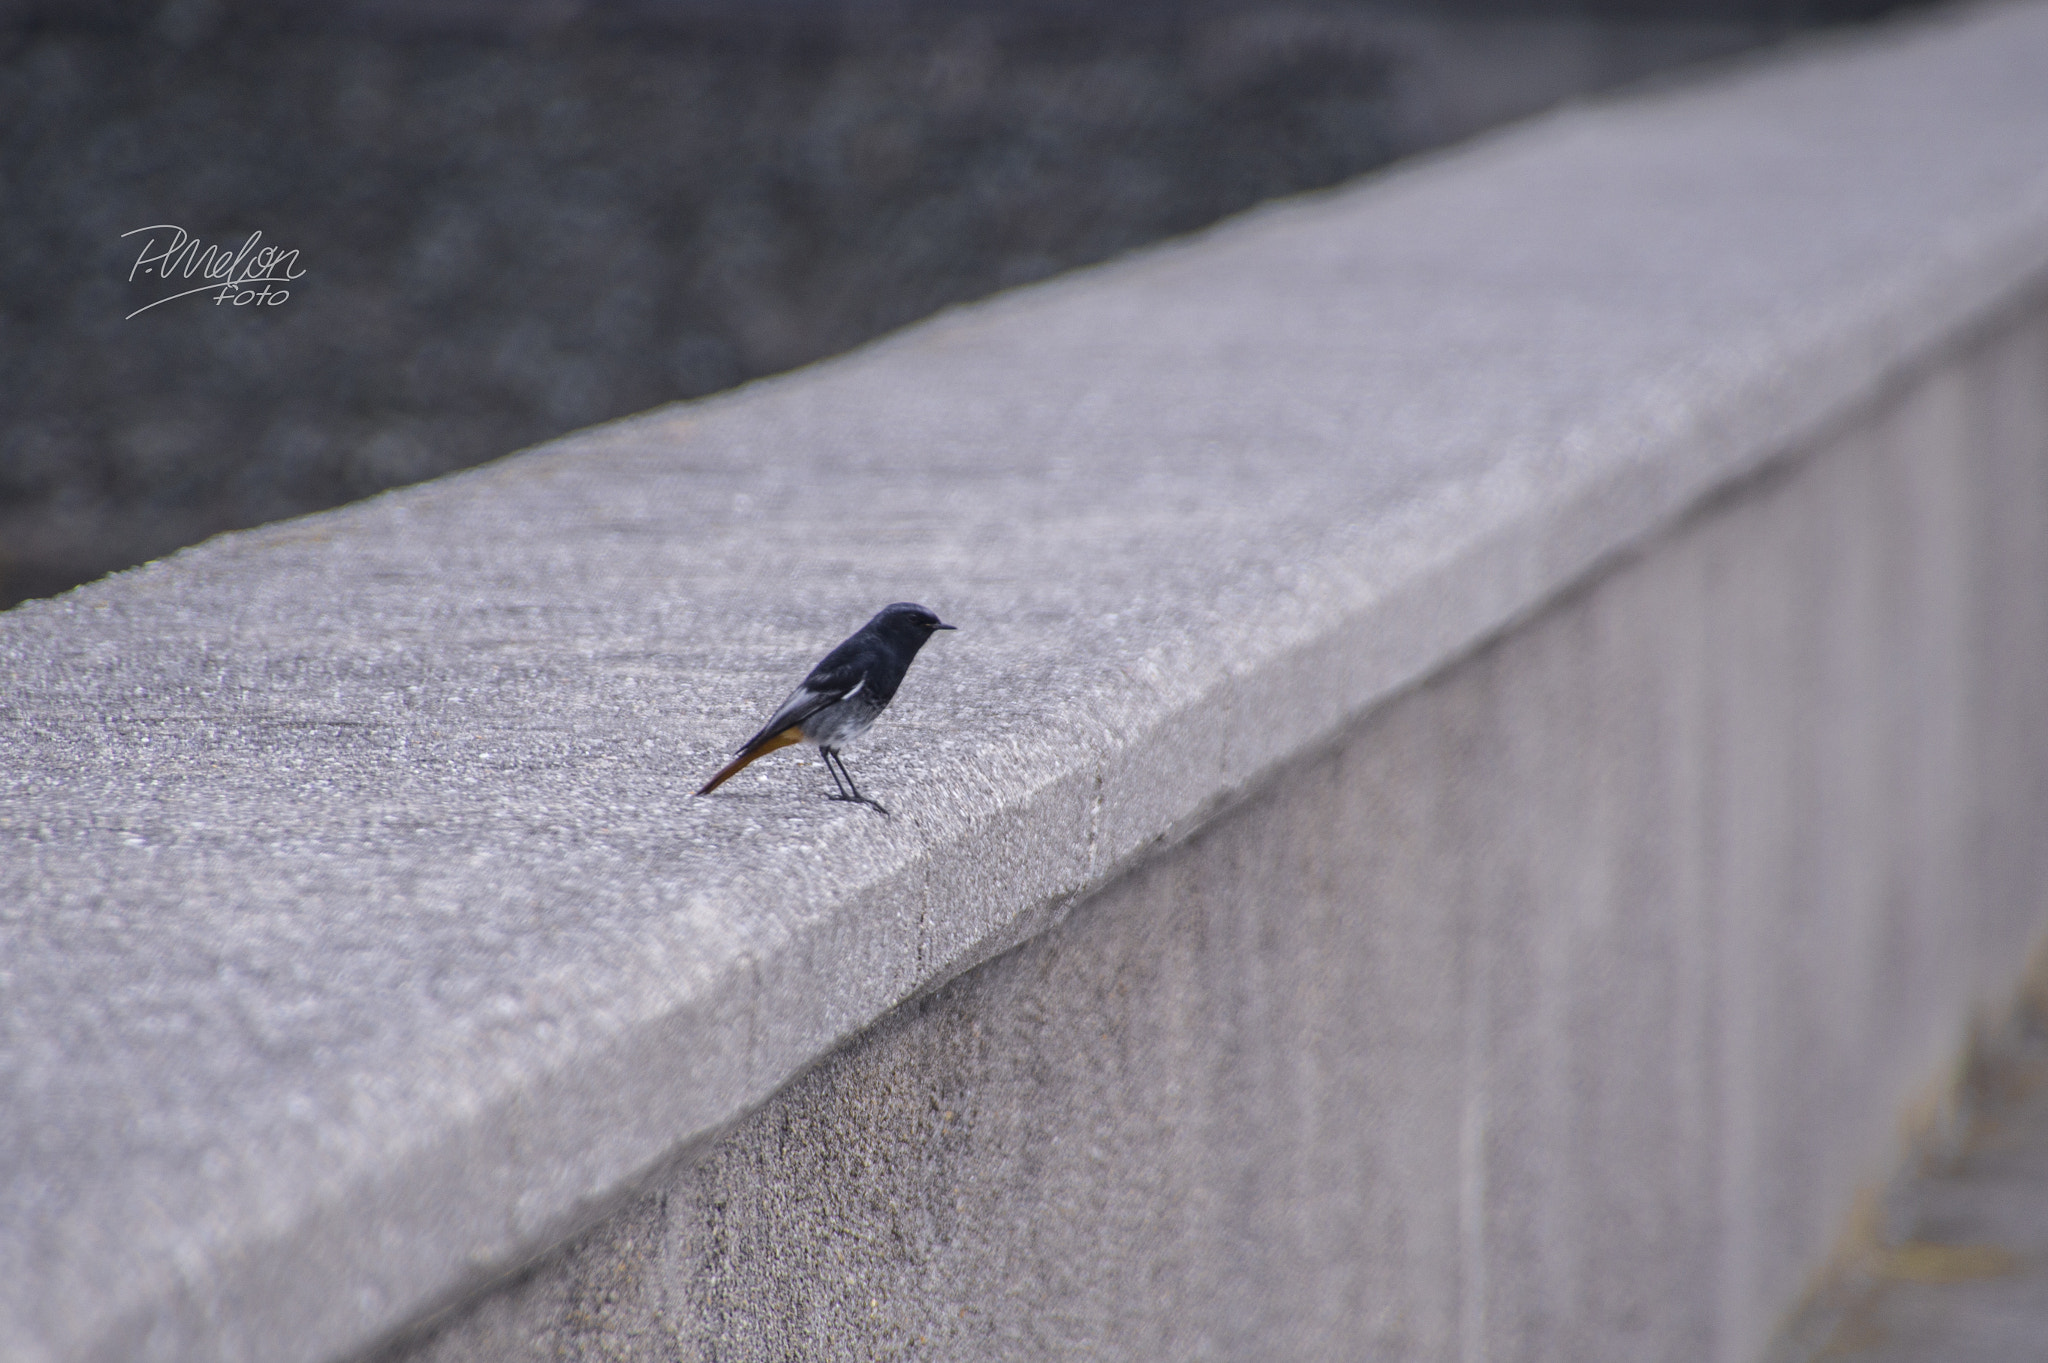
{"points": [[359, 934]]}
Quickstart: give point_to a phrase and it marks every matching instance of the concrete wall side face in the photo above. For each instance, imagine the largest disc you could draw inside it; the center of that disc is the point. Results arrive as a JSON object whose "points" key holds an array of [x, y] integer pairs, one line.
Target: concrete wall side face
{"points": [[1555, 1013]]}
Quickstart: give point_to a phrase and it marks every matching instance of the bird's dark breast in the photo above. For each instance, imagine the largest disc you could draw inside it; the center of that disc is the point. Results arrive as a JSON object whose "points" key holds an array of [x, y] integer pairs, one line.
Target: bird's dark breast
{"points": [[883, 674]]}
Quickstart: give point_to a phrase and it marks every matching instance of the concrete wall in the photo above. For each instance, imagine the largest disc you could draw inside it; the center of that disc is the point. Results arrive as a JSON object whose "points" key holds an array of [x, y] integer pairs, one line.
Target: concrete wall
{"points": [[1492, 752], [1555, 1010]]}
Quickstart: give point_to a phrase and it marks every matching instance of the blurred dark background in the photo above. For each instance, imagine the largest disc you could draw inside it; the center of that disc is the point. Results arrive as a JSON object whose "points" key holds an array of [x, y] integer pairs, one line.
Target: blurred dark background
{"points": [[521, 217]]}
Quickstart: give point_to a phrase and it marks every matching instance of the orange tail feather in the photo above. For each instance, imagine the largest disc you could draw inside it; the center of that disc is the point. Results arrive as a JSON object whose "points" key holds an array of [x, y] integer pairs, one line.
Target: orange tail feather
{"points": [[793, 734]]}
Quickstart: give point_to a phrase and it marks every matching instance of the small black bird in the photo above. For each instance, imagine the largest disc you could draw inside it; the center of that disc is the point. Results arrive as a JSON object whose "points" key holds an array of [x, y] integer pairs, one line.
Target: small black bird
{"points": [[843, 695]]}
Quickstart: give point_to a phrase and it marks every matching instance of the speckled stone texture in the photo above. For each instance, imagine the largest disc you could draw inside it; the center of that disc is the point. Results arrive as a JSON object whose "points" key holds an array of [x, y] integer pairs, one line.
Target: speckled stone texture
{"points": [[1558, 1011], [362, 941]]}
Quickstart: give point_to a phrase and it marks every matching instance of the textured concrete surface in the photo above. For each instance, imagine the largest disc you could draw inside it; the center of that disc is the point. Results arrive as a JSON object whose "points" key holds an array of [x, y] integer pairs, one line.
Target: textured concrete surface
{"points": [[360, 936], [1556, 1011]]}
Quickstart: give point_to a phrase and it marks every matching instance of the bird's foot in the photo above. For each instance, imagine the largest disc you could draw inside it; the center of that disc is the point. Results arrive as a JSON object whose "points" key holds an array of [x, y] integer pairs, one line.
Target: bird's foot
{"points": [[860, 800]]}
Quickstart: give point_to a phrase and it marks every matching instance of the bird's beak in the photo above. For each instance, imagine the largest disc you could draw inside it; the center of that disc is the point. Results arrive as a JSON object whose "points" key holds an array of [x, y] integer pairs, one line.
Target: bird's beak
{"points": [[945, 626]]}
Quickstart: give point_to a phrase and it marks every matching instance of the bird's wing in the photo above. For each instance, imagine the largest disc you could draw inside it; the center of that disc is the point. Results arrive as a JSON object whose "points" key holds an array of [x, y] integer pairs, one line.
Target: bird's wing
{"points": [[825, 686]]}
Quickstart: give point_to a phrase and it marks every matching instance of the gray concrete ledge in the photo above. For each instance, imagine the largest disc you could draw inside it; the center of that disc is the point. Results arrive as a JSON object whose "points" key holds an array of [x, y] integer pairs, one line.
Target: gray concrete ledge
{"points": [[360, 937], [1562, 1007]]}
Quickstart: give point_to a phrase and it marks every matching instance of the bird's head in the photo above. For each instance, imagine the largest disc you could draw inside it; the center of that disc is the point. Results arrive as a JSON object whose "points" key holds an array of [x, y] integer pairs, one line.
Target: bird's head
{"points": [[908, 621]]}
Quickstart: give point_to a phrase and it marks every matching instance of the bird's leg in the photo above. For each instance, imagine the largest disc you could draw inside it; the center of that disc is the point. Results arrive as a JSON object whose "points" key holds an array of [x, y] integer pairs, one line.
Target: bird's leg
{"points": [[838, 790], [852, 792]]}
